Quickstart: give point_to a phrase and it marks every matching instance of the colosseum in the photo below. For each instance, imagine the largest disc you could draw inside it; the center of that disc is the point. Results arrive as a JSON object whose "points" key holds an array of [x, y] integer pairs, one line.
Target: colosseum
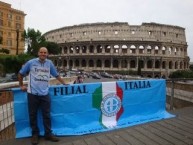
{"points": [[154, 50]]}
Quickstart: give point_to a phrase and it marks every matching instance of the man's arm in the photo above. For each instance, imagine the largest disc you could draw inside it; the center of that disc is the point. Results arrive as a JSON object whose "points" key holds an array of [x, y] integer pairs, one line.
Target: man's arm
{"points": [[61, 80], [20, 79]]}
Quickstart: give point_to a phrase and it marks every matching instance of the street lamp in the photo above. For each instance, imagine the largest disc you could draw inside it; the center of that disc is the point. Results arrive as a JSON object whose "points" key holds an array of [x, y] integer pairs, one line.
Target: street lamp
{"points": [[17, 40]]}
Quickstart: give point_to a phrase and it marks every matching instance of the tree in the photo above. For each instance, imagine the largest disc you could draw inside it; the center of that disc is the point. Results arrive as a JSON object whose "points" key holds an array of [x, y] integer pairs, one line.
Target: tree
{"points": [[181, 74], [191, 67], [12, 64], [53, 48], [34, 39]]}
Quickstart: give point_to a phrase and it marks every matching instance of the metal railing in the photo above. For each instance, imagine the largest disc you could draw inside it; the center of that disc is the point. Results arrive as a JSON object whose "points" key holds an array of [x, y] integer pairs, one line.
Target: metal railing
{"points": [[172, 86], [7, 126]]}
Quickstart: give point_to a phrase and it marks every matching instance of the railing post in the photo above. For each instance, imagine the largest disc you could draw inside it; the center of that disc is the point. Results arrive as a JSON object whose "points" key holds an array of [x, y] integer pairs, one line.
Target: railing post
{"points": [[172, 95]]}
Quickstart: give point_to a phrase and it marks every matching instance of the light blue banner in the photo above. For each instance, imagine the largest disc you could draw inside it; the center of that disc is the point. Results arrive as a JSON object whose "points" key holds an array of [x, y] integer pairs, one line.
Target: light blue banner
{"points": [[96, 107]]}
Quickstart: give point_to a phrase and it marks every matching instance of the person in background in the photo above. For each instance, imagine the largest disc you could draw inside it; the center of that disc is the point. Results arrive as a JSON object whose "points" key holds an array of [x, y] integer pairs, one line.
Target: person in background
{"points": [[39, 70], [78, 80]]}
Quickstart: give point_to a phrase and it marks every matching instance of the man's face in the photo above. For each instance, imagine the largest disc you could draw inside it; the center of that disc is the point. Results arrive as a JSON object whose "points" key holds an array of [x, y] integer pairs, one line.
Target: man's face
{"points": [[43, 53]]}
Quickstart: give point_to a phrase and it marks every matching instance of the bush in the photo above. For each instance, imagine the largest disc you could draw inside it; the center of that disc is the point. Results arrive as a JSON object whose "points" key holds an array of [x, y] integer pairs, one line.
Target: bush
{"points": [[181, 74], [12, 64]]}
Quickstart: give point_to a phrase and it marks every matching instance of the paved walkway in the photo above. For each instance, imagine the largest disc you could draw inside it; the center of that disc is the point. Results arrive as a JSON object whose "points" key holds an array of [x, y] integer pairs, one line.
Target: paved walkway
{"points": [[174, 131]]}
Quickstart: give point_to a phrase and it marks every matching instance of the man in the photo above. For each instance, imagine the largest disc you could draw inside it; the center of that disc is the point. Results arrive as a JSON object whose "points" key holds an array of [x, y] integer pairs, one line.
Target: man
{"points": [[79, 80], [39, 70]]}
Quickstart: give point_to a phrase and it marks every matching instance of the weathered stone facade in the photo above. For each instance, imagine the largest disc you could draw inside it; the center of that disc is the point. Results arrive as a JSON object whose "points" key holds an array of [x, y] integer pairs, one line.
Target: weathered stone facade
{"points": [[11, 28], [156, 49]]}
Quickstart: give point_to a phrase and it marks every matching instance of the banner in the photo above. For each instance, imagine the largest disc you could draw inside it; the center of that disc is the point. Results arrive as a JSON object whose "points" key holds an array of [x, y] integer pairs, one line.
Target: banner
{"points": [[96, 107]]}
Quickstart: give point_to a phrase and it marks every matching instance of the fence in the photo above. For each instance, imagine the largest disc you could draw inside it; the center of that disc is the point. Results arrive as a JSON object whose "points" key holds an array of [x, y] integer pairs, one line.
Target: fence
{"points": [[179, 94], [7, 129]]}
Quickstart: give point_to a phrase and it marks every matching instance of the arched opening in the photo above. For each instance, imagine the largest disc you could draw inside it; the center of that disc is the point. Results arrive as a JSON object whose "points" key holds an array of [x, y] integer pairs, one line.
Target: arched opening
{"points": [[83, 63], [91, 63], [115, 63], [98, 63], [107, 63]]}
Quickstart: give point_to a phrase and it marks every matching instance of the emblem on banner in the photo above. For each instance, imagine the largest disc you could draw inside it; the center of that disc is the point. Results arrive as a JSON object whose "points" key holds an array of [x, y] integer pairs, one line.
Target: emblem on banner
{"points": [[110, 105]]}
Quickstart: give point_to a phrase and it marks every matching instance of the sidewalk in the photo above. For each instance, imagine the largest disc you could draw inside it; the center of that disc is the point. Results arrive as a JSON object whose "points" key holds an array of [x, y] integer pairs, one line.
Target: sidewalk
{"points": [[176, 131]]}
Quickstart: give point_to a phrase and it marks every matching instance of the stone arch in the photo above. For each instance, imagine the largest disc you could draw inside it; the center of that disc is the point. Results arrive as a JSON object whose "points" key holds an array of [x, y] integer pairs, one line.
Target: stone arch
{"points": [[70, 63], [98, 63], [77, 63], [115, 63], [84, 49], [124, 49], [176, 65], [107, 63], [133, 49], [65, 63], [99, 49], [141, 63], [175, 50], [169, 50], [149, 49], [77, 49], [157, 64], [91, 49], [65, 50], [91, 63], [83, 63], [149, 64], [170, 64], [156, 50], [107, 49], [163, 50], [141, 49], [124, 63], [116, 48], [181, 65], [132, 64], [164, 64], [71, 49]]}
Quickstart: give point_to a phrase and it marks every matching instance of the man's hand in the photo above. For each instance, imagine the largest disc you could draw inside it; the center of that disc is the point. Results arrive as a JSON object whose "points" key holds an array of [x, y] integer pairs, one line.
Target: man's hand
{"points": [[23, 88], [65, 84]]}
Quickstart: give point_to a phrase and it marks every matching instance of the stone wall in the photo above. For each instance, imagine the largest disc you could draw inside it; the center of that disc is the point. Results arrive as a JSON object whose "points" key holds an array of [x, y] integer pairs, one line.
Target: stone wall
{"points": [[156, 49], [183, 94]]}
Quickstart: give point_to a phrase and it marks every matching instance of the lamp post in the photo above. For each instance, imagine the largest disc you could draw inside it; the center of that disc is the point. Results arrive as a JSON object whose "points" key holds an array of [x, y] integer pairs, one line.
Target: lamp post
{"points": [[17, 40]]}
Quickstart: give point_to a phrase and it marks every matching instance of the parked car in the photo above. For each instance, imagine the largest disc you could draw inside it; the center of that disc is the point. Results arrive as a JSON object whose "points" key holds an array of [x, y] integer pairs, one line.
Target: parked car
{"points": [[106, 75], [96, 76]]}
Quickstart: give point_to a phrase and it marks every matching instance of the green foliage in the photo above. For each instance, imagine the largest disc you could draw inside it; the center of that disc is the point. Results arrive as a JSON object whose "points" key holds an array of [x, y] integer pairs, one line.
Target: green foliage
{"points": [[35, 40], [12, 64], [181, 74], [191, 67], [53, 48]]}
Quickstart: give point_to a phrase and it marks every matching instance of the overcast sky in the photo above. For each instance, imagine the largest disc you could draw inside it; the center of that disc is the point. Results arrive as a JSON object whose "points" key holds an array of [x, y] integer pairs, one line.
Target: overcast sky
{"points": [[45, 15]]}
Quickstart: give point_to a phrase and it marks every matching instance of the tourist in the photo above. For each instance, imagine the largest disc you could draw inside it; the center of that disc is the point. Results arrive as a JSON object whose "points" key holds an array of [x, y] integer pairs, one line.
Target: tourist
{"points": [[78, 80], [39, 70]]}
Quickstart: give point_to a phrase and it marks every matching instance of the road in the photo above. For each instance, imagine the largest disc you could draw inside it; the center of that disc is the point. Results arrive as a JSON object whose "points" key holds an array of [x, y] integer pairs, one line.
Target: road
{"points": [[90, 79]]}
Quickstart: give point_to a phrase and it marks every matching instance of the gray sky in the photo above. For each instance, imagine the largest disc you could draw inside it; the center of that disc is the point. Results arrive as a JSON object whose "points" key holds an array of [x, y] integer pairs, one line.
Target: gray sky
{"points": [[45, 15]]}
